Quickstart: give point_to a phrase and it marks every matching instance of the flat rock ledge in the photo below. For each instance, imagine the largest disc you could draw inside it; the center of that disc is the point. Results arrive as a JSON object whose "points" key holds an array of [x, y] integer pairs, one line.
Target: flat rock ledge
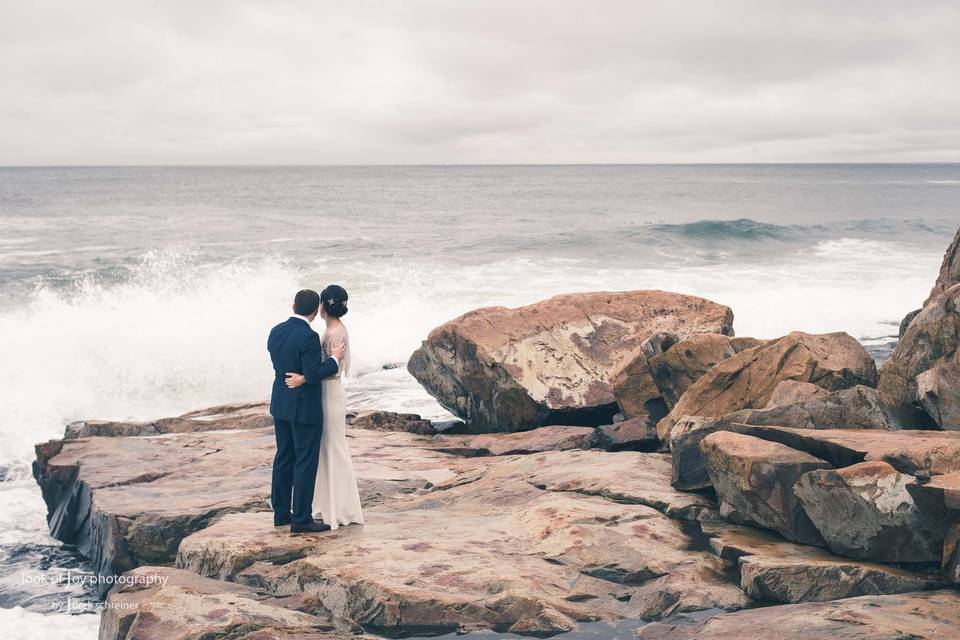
{"points": [[169, 604], [129, 501], [914, 616], [224, 417], [532, 533], [529, 544], [774, 570]]}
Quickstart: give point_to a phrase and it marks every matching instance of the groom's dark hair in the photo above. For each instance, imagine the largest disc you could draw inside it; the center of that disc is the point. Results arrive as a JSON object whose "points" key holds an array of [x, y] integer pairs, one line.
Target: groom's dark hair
{"points": [[306, 302]]}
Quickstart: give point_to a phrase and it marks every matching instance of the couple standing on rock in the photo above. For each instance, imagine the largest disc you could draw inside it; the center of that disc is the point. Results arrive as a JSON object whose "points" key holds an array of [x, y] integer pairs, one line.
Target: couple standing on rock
{"points": [[308, 405]]}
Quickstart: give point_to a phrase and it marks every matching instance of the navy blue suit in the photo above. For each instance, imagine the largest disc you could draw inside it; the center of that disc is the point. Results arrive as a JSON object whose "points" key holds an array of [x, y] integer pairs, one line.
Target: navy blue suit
{"points": [[298, 416]]}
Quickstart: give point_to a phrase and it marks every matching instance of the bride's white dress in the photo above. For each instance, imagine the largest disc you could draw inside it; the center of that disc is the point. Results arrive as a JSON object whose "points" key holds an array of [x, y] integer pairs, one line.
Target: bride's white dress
{"points": [[336, 498]]}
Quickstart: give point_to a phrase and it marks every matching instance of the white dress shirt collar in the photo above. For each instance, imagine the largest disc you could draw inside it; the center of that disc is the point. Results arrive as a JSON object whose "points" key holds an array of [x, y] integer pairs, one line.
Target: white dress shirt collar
{"points": [[304, 318]]}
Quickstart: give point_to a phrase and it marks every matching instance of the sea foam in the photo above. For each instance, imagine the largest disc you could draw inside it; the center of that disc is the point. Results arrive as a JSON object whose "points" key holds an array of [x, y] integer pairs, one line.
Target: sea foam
{"points": [[178, 334]]}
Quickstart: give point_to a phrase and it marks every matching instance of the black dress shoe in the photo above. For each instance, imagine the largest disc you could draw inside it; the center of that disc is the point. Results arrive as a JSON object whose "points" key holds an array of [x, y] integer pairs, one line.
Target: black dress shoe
{"points": [[281, 522], [311, 527]]}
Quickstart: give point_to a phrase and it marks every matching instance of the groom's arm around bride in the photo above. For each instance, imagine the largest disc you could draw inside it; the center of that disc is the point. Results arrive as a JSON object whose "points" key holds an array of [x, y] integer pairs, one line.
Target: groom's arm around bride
{"points": [[298, 413]]}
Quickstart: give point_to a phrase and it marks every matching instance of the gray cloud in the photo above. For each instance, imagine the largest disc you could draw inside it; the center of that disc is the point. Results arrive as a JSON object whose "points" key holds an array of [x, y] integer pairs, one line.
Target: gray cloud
{"points": [[241, 81]]}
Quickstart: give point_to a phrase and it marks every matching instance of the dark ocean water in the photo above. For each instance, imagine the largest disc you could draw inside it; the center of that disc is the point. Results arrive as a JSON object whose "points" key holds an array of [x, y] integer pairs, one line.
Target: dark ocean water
{"points": [[142, 292]]}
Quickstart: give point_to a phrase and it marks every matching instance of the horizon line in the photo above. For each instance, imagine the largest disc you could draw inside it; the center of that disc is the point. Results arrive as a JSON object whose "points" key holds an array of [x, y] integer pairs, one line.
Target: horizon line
{"points": [[469, 164]]}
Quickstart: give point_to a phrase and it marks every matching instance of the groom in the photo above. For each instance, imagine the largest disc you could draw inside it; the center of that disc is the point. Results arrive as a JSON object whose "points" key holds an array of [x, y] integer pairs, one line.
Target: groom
{"points": [[298, 413]]}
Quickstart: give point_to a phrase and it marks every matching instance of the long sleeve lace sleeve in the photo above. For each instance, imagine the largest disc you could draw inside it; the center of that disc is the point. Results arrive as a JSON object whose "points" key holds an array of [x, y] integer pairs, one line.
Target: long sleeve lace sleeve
{"points": [[338, 336]]}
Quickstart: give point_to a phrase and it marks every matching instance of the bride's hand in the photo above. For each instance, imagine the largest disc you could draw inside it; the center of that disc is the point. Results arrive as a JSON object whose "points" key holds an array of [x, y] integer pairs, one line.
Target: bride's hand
{"points": [[294, 380]]}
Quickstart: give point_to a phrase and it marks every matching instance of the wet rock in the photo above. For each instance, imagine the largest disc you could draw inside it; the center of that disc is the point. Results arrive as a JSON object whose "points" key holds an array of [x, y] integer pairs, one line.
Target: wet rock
{"points": [[949, 270], [793, 392], [748, 379], [522, 442], [866, 511], [932, 339], [225, 417], [754, 482], [634, 434], [774, 570], [911, 452], [938, 390], [169, 604], [929, 615], [391, 421], [551, 362]]}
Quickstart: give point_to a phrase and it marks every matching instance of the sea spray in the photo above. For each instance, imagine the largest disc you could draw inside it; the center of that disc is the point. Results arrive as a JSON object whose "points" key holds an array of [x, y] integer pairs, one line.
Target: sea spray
{"points": [[178, 334]]}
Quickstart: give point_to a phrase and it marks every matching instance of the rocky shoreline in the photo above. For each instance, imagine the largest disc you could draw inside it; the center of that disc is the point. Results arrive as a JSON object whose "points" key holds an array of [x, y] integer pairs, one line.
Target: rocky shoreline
{"points": [[623, 457]]}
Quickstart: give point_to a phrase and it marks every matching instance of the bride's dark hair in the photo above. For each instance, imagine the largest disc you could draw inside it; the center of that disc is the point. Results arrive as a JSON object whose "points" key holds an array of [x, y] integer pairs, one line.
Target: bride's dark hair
{"points": [[334, 300]]}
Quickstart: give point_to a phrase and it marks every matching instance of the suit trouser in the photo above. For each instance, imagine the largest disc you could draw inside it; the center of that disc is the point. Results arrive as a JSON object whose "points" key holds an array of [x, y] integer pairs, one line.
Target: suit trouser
{"points": [[295, 469]]}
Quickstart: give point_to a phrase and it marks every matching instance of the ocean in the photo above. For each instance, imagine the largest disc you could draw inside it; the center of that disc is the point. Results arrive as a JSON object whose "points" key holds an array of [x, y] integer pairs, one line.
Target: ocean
{"points": [[135, 293]]}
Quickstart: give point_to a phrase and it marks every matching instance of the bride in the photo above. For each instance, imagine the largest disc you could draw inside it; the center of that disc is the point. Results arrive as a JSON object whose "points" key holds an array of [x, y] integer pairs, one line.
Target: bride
{"points": [[336, 499]]}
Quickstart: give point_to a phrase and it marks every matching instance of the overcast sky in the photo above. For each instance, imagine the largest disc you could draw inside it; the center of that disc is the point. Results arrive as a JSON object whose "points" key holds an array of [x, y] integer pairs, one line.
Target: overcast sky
{"points": [[311, 82]]}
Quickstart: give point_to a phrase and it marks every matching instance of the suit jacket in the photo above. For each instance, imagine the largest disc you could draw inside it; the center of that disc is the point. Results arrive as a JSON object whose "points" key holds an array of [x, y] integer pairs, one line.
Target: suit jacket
{"points": [[295, 348]]}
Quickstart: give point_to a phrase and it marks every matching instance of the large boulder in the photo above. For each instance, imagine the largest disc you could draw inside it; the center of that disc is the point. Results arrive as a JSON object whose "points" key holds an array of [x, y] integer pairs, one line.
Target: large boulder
{"points": [[858, 407], [675, 369], [754, 482], [907, 319], [654, 377], [792, 392], [748, 379], [551, 362], [938, 390], [634, 388], [949, 270], [932, 339], [866, 511], [688, 461]]}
